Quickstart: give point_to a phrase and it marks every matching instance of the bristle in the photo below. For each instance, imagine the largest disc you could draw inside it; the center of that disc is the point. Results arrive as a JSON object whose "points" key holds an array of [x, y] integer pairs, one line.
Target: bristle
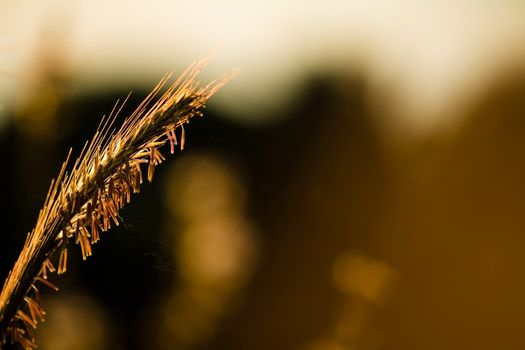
{"points": [[43, 272], [49, 265], [172, 138], [111, 187], [26, 319], [62, 262], [37, 314], [182, 138], [20, 336], [139, 175], [36, 295], [151, 165], [47, 283]]}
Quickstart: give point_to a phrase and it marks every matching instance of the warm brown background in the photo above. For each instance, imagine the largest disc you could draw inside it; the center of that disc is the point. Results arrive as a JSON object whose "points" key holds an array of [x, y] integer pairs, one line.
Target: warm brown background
{"points": [[371, 210]]}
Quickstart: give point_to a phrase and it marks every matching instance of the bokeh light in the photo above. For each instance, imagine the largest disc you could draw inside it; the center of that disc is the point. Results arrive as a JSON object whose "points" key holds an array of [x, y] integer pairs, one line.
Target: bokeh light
{"points": [[77, 322], [363, 276], [214, 246]]}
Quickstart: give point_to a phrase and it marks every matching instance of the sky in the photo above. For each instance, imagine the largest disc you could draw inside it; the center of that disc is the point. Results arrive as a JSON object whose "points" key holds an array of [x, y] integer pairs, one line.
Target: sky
{"points": [[423, 60]]}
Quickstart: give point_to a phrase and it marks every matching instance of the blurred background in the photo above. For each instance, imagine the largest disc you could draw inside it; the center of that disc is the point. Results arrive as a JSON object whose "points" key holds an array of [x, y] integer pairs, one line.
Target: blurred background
{"points": [[359, 185]]}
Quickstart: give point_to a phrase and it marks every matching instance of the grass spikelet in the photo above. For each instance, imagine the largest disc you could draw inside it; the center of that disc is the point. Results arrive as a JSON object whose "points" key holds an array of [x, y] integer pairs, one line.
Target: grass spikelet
{"points": [[85, 201]]}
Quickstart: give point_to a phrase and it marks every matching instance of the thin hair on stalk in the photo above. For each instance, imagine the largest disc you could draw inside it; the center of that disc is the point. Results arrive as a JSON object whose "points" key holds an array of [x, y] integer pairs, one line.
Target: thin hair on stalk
{"points": [[85, 201]]}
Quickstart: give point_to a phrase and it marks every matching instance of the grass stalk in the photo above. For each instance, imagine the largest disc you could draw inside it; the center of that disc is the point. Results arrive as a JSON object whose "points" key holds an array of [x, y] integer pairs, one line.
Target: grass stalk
{"points": [[85, 201]]}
